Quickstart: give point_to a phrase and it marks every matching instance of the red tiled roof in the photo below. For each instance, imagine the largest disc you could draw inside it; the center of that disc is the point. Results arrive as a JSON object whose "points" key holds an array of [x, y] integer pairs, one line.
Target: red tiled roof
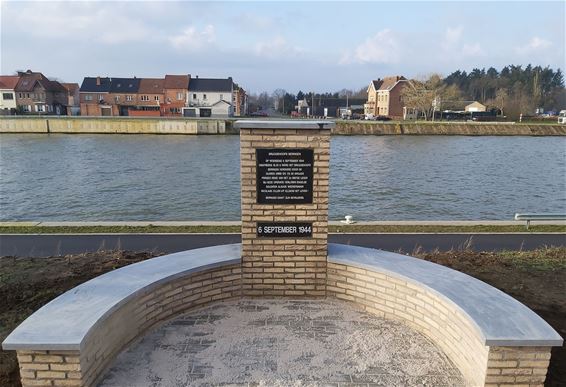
{"points": [[72, 87], [176, 82], [389, 82], [151, 86], [9, 81]]}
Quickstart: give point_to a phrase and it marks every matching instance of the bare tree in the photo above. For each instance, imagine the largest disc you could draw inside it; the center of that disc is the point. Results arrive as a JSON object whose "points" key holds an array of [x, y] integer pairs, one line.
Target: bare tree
{"points": [[278, 99], [429, 94]]}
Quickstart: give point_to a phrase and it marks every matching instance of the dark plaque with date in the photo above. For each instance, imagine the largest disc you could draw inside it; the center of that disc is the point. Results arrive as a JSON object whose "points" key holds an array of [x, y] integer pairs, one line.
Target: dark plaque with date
{"points": [[284, 176], [284, 230]]}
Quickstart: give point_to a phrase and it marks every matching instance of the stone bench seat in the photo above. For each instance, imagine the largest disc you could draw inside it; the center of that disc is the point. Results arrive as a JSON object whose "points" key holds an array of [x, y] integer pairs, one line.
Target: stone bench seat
{"points": [[491, 337], [78, 334], [487, 334]]}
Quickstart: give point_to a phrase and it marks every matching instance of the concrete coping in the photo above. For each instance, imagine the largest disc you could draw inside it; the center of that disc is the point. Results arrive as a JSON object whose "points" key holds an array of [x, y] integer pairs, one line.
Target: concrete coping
{"points": [[64, 323], [284, 124], [501, 319]]}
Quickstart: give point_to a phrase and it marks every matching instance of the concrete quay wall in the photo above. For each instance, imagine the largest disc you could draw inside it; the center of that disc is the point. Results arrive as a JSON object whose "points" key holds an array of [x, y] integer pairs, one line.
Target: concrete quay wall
{"points": [[454, 129], [150, 125], [114, 125]]}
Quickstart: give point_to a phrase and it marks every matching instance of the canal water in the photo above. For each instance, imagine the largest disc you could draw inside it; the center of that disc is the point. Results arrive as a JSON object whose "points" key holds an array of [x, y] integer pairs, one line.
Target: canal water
{"points": [[148, 177]]}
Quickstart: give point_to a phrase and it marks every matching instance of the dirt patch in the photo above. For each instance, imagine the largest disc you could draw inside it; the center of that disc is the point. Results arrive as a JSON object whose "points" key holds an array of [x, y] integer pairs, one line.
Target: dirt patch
{"points": [[28, 283], [536, 278]]}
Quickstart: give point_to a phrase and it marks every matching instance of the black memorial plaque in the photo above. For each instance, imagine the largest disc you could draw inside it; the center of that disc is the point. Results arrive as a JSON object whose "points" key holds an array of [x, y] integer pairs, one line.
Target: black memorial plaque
{"points": [[284, 230], [284, 176]]}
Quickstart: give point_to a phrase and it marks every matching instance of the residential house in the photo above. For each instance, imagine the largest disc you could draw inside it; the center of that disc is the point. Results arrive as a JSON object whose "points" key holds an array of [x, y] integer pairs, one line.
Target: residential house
{"points": [[385, 97], [124, 95], [36, 94], [8, 94], [151, 94], [73, 98], [210, 97], [240, 101], [475, 107], [94, 97], [176, 90]]}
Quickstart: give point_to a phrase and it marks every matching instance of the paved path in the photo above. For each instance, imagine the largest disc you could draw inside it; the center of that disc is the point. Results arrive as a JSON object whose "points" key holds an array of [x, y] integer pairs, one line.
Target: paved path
{"points": [[282, 343], [49, 244]]}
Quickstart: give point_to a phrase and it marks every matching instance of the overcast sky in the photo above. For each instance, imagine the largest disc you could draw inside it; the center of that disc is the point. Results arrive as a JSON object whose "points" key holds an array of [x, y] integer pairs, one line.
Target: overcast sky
{"points": [[319, 46]]}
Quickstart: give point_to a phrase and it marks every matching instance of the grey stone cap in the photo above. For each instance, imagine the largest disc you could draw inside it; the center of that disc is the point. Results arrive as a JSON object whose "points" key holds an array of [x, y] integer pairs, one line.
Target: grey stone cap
{"points": [[501, 319], [284, 124], [64, 323]]}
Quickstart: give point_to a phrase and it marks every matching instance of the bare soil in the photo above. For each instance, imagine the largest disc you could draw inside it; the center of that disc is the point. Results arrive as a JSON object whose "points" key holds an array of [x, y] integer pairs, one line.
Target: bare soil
{"points": [[536, 278]]}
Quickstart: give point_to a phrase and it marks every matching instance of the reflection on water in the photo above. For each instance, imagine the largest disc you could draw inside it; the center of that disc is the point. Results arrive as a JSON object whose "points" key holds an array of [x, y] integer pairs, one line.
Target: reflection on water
{"points": [[147, 177]]}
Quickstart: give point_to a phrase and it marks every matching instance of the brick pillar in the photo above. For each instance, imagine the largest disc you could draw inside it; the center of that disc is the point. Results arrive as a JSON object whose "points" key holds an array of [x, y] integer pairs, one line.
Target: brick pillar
{"points": [[284, 178]]}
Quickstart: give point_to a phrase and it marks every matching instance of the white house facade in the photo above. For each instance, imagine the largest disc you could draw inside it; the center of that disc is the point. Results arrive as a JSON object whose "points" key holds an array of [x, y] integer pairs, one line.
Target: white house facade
{"points": [[210, 97], [7, 94]]}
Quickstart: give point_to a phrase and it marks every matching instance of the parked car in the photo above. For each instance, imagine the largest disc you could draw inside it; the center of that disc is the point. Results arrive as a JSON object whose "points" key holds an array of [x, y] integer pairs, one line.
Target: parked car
{"points": [[259, 114], [382, 118]]}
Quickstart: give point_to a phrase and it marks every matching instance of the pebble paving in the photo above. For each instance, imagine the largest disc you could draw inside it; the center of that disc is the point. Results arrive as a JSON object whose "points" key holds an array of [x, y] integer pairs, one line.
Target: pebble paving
{"points": [[282, 343]]}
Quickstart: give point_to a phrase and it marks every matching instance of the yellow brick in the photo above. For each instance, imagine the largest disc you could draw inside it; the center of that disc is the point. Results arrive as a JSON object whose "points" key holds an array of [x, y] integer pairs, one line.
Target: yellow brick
{"points": [[34, 366], [66, 367], [33, 382], [47, 359], [51, 375]]}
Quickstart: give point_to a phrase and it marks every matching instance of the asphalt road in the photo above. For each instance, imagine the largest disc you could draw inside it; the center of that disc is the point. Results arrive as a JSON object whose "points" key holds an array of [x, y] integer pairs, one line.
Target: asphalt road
{"points": [[50, 245]]}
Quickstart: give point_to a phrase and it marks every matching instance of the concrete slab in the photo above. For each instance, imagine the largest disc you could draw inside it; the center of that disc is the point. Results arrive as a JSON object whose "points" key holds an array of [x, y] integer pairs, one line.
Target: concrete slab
{"points": [[282, 343]]}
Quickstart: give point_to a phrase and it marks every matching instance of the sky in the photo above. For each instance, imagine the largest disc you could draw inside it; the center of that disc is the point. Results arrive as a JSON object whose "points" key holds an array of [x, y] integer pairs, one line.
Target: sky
{"points": [[309, 46]]}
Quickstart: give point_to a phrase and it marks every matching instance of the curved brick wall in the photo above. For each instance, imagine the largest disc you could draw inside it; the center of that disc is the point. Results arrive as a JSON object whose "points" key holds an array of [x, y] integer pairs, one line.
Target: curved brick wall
{"points": [[109, 336], [389, 296]]}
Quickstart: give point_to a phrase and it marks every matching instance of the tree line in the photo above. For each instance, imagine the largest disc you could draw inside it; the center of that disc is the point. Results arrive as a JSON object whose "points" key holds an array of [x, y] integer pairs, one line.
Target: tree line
{"points": [[512, 91]]}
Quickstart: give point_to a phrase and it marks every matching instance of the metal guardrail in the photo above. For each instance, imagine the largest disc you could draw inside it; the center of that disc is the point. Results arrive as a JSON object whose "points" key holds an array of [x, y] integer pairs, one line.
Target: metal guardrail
{"points": [[531, 217]]}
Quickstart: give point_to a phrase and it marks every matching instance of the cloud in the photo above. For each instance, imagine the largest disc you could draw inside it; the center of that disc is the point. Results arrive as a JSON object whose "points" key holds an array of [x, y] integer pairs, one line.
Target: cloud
{"points": [[278, 47], [453, 35], [472, 50], [383, 47], [192, 39], [80, 21], [533, 45]]}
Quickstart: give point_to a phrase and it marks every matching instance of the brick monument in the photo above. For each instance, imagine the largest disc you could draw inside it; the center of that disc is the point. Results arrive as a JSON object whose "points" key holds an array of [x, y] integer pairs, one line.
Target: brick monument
{"points": [[284, 178]]}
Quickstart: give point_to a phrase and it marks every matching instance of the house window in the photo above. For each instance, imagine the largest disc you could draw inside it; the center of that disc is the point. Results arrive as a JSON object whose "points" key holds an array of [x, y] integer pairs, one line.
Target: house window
{"points": [[20, 95], [7, 96], [156, 98], [40, 108], [194, 96], [180, 96], [27, 95], [221, 96], [100, 97], [128, 98], [117, 98], [145, 98], [26, 108], [88, 97], [204, 96]]}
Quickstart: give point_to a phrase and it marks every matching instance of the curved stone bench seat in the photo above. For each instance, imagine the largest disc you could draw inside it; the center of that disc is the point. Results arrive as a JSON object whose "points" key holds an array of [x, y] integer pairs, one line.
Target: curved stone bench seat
{"points": [[71, 340], [491, 337]]}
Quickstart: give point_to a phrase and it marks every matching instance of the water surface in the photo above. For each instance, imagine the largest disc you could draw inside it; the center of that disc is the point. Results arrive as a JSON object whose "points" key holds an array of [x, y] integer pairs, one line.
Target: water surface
{"points": [[61, 177]]}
